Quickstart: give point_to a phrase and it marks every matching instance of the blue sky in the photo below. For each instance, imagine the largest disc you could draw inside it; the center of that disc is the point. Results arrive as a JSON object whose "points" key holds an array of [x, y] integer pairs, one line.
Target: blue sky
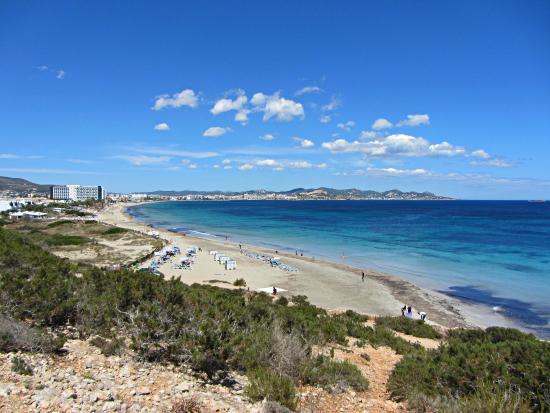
{"points": [[451, 97]]}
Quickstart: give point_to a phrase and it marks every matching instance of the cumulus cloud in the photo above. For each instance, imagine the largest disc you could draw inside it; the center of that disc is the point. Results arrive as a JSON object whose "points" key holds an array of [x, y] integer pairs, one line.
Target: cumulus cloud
{"points": [[215, 131], [189, 164], [267, 137], [308, 89], [346, 125], [332, 105], [186, 97], [162, 126], [304, 143], [245, 167], [325, 119], [226, 105], [382, 123], [279, 108], [60, 74], [415, 120], [368, 135], [227, 167], [242, 116], [480, 153], [398, 145]]}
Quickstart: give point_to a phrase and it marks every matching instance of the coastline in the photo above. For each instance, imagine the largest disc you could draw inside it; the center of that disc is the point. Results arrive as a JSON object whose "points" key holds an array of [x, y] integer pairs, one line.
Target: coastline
{"points": [[330, 285]]}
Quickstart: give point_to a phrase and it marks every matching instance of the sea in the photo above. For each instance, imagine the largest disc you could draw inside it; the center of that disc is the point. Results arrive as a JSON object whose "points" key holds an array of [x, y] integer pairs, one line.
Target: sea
{"points": [[494, 253]]}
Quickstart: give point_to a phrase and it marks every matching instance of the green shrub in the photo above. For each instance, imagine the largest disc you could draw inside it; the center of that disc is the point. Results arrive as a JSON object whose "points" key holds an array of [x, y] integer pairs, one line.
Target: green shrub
{"points": [[239, 282], [20, 366], [417, 328], [282, 301], [111, 347], [61, 240], [266, 384], [506, 358], [59, 223], [334, 375], [115, 231]]}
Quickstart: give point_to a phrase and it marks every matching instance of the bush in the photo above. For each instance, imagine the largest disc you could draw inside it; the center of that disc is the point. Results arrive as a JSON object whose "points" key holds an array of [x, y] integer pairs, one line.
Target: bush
{"points": [[267, 384], [61, 240], [239, 282], [507, 358], [20, 366], [187, 405], [17, 336], [59, 223], [111, 347], [282, 301], [333, 375], [115, 231], [417, 328]]}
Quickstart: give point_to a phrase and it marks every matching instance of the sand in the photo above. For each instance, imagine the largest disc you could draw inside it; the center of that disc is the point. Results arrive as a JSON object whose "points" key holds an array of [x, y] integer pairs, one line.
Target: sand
{"points": [[326, 284]]}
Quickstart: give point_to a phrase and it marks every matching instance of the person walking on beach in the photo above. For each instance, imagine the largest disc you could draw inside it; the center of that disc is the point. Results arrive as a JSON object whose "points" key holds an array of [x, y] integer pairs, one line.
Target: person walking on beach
{"points": [[422, 315], [403, 309], [363, 276]]}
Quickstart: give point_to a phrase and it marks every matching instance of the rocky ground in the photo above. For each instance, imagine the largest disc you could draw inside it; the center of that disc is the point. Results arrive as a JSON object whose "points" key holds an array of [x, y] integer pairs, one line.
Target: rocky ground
{"points": [[84, 380]]}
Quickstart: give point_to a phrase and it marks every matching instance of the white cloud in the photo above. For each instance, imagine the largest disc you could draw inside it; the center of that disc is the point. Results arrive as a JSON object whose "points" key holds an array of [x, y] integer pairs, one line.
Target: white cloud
{"points": [[267, 137], [216, 166], [268, 162], [325, 119], [346, 126], [304, 143], [226, 161], [171, 152], [226, 105], [498, 163], [480, 153], [277, 107], [381, 123], [415, 120], [366, 135], [60, 74], [227, 167], [308, 89], [162, 126], [332, 105], [394, 146], [141, 160], [245, 167], [42, 68], [392, 172], [242, 116], [80, 161], [186, 97], [189, 164], [8, 156], [215, 131]]}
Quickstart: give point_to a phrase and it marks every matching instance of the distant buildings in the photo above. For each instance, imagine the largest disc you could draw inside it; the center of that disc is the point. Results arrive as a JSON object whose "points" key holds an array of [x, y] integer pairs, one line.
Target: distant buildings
{"points": [[77, 192]]}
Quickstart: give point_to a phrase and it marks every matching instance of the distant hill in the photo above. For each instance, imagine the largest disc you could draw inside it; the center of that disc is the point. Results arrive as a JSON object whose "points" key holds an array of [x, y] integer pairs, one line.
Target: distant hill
{"points": [[20, 185], [312, 193]]}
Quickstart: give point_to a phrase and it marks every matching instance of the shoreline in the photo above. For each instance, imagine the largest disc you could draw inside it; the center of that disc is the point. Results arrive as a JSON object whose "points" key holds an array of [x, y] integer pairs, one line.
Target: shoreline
{"points": [[327, 284]]}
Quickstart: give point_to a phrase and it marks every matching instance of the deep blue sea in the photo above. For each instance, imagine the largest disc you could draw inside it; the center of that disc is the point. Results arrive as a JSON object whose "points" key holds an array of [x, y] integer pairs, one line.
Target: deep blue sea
{"points": [[490, 252]]}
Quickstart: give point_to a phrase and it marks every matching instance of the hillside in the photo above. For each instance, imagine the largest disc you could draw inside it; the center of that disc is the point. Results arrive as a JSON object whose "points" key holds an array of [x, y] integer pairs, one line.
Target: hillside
{"points": [[312, 193], [20, 185]]}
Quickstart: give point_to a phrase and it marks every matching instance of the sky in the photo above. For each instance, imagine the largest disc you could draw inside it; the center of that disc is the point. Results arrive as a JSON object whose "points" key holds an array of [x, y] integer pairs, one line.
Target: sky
{"points": [[448, 97]]}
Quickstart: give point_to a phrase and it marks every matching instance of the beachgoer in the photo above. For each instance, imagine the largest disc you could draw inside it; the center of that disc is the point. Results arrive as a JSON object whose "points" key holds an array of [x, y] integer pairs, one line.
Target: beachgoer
{"points": [[422, 315], [274, 291], [240, 247], [409, 309], [296, 252], [403, 309], [363, 276], [301, 254]]}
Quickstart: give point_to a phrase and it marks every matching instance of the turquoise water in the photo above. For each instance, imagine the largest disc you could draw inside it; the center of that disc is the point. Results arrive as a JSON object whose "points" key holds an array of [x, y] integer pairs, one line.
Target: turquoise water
{"points": [[495, 253]]}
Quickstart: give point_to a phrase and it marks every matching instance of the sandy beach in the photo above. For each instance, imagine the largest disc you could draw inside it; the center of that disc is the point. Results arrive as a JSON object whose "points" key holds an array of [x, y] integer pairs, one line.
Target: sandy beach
{"points": [[329, 285]]}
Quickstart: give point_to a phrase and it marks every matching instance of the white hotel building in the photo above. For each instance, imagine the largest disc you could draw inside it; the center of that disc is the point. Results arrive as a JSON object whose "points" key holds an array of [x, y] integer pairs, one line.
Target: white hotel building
{"points": [[77, 192]]}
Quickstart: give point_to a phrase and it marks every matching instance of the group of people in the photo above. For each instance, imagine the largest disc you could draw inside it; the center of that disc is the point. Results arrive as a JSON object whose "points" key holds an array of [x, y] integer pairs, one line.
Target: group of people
{"points": [[406, 311]]}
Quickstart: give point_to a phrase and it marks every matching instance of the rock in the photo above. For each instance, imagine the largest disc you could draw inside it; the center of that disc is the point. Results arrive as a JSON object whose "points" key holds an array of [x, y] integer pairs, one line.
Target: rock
{"points": [[5, 390], [143, 390], [88, 364]]}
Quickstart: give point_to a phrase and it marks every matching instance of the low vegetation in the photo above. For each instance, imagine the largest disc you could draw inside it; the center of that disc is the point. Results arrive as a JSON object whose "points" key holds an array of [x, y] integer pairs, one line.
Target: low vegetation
{"points": [[115, 231], [20, 366], [477, 368], [239, 282], [215, 331], [417, 328]]}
